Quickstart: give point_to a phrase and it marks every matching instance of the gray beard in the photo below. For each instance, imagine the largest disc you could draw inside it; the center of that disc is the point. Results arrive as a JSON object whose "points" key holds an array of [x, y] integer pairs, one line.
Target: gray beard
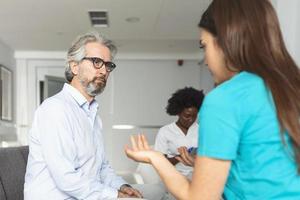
{"points": [[91, 89]]}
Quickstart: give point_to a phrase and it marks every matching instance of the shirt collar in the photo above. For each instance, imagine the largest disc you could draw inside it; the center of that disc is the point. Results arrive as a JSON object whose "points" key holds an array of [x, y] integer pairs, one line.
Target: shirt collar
{"points": [[79, 98]]}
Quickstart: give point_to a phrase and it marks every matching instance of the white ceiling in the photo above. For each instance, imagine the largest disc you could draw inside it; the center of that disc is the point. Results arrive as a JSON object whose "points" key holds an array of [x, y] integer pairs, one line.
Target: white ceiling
{"points": [[51, 25]]}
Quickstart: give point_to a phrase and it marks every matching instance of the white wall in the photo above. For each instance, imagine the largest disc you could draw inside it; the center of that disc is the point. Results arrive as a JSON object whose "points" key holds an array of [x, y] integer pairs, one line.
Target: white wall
{"points": [[29, 72], [7, 59], [289, 18]]}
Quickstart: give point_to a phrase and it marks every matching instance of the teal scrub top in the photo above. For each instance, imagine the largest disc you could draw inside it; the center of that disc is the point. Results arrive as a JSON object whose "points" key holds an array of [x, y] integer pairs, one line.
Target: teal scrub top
{"points": [[238, 122]]}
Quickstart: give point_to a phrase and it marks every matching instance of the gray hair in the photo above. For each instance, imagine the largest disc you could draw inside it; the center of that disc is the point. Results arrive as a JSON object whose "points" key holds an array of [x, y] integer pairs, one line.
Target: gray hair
{"points": [[77, 51]]}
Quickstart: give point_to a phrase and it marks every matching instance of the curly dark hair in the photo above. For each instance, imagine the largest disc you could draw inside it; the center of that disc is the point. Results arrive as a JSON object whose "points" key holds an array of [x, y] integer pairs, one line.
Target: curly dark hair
{"points": [[184, 98]]}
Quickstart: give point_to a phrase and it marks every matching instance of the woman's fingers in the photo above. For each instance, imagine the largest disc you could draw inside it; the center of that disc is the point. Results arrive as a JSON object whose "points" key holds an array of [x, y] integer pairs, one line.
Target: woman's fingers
{"points": [[180, 159], [190, 162], [145, 142], [189, 159], [140, 143], [179, 150], [133, 143], [140, 150], [185, 157]]}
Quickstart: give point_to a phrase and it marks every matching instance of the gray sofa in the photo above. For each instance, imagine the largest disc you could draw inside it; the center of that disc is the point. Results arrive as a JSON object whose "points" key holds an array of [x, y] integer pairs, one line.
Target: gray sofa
{"points": [[13, 162]]}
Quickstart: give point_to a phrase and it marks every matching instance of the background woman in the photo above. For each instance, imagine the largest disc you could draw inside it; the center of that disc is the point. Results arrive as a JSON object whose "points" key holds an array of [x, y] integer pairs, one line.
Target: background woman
{"points": [[174, 140]]}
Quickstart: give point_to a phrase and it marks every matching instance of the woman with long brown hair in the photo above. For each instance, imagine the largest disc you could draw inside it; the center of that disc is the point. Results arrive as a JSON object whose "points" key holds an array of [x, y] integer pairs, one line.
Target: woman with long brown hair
{"points": [[249, 135]]}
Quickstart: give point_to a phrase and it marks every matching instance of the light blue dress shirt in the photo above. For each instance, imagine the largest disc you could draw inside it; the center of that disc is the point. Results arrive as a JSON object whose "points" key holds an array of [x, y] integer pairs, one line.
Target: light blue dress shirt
{"points": [[66, 155], [238, 122]]}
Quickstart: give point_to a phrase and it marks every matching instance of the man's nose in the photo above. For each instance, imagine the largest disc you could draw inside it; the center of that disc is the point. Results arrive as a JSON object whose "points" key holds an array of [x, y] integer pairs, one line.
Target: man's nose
{"points": [[103, 70]]}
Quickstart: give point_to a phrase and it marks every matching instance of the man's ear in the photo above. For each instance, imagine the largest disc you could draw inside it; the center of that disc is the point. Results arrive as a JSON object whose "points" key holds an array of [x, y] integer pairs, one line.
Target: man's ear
{"points": [[74, 67]]}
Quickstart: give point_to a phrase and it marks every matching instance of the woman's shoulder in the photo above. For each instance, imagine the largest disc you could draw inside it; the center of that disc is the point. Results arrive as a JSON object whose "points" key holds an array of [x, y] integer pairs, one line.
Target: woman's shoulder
{"points": [[239, 88], [166, 128]]}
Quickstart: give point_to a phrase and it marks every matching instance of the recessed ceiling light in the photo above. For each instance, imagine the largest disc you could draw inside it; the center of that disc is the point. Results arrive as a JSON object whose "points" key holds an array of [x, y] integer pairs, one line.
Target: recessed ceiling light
{"points": [[132, 19], [4, 144], [123, 126]]}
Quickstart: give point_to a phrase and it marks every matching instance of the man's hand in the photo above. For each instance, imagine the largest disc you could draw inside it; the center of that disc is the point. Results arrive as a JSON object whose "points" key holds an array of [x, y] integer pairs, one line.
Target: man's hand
{"points": [[185, 157], [122, 195], [126, 191]]}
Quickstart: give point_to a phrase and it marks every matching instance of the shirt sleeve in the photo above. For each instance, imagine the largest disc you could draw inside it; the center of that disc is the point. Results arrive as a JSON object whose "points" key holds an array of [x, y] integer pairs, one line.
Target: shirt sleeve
{"points": [[219, 132], [161, 142], [60, 154], [109, 177]]}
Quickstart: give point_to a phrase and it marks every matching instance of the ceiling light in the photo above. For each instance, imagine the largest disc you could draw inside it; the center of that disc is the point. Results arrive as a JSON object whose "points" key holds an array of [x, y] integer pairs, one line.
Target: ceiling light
{"points": [[4, 144], [123, 127]]}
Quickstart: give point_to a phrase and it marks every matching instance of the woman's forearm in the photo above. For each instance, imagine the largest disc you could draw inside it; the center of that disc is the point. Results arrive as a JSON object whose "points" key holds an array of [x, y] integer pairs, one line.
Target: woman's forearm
{"points": [[170, 176], [209, 176]]}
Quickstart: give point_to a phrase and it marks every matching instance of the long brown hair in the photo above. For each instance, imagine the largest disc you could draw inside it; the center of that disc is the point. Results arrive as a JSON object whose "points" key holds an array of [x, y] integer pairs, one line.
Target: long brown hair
{"points": [[248, 33]]}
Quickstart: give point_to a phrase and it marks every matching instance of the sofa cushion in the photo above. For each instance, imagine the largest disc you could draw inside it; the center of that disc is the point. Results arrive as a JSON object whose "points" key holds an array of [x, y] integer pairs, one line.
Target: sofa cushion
{"points": [[12, 171], [24, 151], [2, 193]]}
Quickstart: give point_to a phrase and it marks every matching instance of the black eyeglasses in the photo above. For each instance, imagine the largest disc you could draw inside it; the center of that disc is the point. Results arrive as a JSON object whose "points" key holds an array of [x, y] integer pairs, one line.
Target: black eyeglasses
{"points": [[98, 63]]}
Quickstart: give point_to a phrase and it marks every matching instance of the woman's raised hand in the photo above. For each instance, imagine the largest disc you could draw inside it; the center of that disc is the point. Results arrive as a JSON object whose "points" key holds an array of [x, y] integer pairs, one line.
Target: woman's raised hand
{"points": [[140, 150]]}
